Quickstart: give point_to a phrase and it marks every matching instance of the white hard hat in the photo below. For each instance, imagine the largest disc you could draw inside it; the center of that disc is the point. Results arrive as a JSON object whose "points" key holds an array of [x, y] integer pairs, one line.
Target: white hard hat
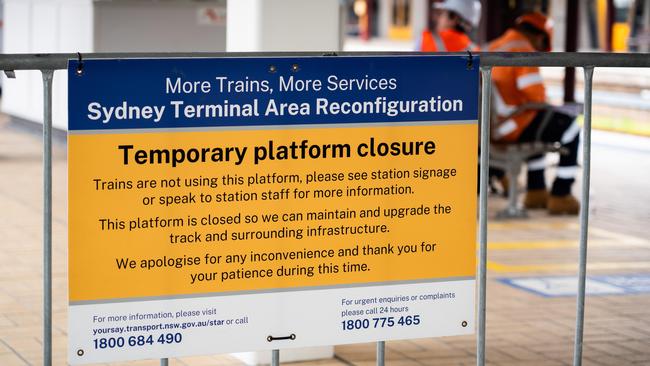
{"points": [[469, 10]]}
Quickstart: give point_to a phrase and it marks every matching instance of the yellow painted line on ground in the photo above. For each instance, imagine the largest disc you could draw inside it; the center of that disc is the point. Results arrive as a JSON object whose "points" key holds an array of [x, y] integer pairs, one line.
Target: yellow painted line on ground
{"points": [[627, 125], [572, 226], [530, 245], [507, 268], [618, 236], [510, 225], [564, 244]]}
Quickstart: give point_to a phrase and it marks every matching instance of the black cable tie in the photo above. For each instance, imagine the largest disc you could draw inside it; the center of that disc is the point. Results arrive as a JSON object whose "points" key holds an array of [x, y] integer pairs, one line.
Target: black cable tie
{"points": [[272, 338], [80, 64], [330, 54], [470, 61]]}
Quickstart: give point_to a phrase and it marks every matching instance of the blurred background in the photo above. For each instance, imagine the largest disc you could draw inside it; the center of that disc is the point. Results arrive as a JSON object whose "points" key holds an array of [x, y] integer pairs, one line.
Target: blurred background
{"points": [[70, 26], [524, 327]]}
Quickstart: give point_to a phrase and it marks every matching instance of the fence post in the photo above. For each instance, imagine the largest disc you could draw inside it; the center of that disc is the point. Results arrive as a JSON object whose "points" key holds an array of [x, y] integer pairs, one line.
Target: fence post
{"points": [[584, 218], [381, 353], [486, 73], [48, 76], [275, 357], [164, 362]]}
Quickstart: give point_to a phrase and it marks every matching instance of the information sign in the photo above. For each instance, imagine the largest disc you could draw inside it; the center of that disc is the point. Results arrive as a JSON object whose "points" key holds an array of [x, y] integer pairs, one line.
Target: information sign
{"points": [[239, 204]]}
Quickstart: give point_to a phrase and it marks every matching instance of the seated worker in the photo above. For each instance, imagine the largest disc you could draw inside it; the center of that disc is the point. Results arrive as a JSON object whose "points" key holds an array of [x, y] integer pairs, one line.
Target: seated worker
{"points": [[516, 87], [454, 20]]}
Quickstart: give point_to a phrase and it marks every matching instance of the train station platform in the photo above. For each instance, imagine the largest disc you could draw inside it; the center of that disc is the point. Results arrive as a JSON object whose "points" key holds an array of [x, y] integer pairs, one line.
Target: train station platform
{"points": [[532, 265], [621, 95]]}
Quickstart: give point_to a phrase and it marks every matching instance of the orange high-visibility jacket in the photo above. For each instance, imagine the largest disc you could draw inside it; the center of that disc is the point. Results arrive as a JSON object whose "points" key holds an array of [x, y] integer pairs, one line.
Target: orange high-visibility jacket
{"points": [[448, 40], [514, 87]]}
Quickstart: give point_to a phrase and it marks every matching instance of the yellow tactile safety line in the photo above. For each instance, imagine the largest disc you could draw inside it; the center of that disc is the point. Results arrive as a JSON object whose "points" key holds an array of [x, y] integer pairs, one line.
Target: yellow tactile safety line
{"points": [[506, 268], [509, 225], [606, 239], [561, 244]]}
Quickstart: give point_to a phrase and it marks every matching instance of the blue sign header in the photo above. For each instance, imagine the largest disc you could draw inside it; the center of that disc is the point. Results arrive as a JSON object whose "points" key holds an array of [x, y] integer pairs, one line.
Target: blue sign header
{"points": [[255, 91]]}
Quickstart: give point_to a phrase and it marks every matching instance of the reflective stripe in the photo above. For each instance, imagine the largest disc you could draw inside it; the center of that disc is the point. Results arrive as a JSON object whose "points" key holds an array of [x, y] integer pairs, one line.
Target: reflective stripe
{"points": [[537, 164], [527, 80], [440, 45], [566, 172], [503, 109], [505, 128], [509, 46], [570, 133]]}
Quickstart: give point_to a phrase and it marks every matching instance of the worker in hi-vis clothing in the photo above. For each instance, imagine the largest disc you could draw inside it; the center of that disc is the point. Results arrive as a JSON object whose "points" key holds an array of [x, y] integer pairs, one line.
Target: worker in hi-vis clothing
{"points": [[454, 21], [519, 100]]}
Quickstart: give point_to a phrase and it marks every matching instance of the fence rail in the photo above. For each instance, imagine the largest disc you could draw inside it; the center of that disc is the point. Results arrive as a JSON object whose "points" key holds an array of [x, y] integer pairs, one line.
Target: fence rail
{"points": [[47, 63], [59, 61]]}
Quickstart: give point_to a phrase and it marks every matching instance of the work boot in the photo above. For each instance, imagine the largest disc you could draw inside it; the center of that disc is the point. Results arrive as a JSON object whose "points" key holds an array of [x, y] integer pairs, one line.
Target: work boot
{"points": [[563, 205], [536, 198], [505, 185]]}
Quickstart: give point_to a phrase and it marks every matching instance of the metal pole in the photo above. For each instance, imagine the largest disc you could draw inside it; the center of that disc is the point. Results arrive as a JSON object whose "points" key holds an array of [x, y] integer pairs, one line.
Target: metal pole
{"points": [[643, 46], [342, 23], [48, 76], [486, 73], [609, 26], [571, 45], [275, 357], [381, 353], [164, 362], [584, 218]]}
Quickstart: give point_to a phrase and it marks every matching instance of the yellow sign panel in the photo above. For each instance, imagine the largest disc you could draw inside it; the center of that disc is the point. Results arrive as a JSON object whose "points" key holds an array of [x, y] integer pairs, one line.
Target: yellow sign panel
{"points": [[176, 213]]}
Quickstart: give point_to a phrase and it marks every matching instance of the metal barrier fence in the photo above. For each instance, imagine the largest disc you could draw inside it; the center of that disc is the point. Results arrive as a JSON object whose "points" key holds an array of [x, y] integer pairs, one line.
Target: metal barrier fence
{"points": [[48, 63]]}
